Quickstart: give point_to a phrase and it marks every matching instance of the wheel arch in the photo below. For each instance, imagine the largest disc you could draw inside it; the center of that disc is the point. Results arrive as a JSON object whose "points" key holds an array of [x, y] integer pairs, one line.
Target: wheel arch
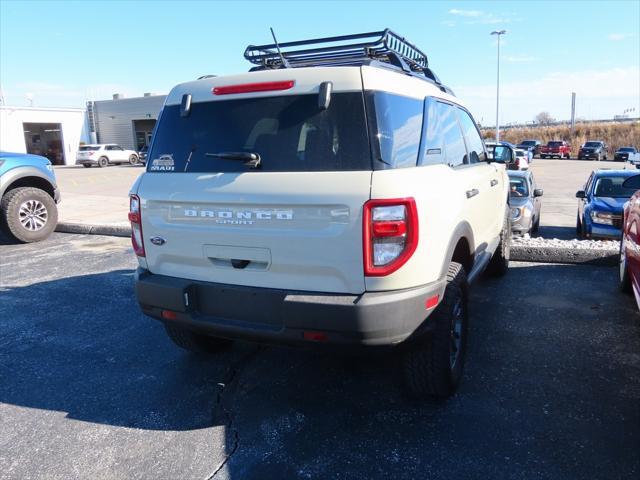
{"points": [[31, 181], [461, 249]]}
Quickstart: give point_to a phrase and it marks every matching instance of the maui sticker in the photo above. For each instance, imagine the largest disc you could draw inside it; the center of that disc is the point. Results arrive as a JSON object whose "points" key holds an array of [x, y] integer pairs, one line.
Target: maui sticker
{"points": [[164, 163]]}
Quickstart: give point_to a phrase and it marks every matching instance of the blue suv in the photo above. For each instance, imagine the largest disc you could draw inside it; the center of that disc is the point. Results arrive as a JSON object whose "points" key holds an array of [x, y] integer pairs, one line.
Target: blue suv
{"points": [[28, 197], [601, 202]]}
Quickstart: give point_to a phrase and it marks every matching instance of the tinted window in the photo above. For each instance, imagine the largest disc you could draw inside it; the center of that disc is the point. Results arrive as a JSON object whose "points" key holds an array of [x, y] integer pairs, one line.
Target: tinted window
{"points": [[396, 127], [89, 148], [289, 133], [455, 151], [627, 149], [554, 144], [433, 151], [612, 187], [474, 140], [592, 144]]}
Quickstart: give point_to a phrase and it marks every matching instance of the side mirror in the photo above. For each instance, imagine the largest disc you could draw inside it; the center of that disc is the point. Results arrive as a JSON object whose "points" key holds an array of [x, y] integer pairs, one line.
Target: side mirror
{"points": [[538, 192], [580, 194], [503, 154]]}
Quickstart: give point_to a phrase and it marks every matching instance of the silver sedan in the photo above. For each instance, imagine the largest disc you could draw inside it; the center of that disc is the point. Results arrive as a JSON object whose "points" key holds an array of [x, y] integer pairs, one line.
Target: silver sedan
{"points": [[525, 202]]}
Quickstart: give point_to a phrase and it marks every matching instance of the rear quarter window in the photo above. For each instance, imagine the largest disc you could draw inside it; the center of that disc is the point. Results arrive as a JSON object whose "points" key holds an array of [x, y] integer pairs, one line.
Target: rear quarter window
{"points": [[395, 124]]}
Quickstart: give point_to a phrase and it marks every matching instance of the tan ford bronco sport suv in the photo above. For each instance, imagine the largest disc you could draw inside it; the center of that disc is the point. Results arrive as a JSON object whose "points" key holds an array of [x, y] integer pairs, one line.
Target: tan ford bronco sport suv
{"points": [[336, 194]]}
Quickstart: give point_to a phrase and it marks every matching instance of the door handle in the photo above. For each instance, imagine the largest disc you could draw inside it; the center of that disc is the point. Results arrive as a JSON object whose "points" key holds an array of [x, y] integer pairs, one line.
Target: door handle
{"points": [[494, 182], [472, 193]]}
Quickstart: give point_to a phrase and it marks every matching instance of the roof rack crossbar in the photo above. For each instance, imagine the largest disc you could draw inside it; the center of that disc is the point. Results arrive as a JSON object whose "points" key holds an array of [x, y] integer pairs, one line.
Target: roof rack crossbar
{"points": [[377, 45]]}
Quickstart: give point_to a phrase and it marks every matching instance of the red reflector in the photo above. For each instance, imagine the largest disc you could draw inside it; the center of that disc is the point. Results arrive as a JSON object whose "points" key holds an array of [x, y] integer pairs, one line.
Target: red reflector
{"points": [[253, 87], [389, 229], [134, 217], [315, 336], [169, 315], [432, 302]]}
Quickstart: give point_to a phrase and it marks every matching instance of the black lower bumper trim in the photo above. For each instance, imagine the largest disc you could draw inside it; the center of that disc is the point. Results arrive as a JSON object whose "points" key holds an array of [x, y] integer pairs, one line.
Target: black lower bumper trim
{"points": [[280, 316]]}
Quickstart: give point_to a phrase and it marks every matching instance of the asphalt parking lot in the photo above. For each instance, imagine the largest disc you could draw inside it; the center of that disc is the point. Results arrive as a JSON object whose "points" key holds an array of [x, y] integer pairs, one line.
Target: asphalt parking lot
{"points": [[89, 388]]}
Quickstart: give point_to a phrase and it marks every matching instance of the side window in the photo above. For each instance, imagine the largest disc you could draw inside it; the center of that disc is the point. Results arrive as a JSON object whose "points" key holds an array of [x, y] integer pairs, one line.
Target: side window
{"points": [[398, 127], [108, 147], [455, 151], [433, 134], [474, 141]]}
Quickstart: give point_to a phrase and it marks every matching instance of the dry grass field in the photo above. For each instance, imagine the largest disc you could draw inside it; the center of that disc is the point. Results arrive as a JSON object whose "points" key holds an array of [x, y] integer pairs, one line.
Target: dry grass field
{"points": [[616, 135]]}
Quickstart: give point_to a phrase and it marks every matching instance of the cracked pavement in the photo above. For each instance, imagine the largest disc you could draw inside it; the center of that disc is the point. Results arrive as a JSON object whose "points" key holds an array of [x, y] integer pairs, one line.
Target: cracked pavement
{"points": [[90, 388]]}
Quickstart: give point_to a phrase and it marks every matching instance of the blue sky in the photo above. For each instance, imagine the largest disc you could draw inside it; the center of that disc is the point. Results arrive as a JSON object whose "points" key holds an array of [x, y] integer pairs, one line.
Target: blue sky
{"points": [[61, 53]]}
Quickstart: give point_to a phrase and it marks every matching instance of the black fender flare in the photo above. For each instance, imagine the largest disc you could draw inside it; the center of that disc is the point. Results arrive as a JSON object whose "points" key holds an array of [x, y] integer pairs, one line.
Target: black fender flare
{"points": [[463, 230]]}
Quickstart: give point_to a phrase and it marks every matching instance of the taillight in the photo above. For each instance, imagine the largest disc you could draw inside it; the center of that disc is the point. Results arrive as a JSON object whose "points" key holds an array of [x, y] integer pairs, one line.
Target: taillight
{"points": [[390, 234], [135, 217], [253, 87]]}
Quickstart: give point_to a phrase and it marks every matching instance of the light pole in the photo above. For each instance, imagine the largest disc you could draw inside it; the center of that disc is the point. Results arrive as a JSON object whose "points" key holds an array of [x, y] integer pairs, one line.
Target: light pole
{"points": [[499, 33]]}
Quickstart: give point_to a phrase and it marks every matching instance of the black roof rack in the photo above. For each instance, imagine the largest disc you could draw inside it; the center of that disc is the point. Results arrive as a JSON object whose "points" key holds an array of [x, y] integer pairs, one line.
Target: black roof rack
{"points": [[384, 46]]}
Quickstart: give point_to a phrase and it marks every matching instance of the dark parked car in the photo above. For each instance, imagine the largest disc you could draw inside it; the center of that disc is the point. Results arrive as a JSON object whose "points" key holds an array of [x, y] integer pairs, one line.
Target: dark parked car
{"points": [[531, 145], [630, 243], [593, 150], [601, 202], [525, 202], [627, 154]]}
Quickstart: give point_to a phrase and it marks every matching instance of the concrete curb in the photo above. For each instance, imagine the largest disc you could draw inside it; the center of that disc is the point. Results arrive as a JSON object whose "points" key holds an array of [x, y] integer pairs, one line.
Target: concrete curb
{"points": [[607, 258], [88, 229]]}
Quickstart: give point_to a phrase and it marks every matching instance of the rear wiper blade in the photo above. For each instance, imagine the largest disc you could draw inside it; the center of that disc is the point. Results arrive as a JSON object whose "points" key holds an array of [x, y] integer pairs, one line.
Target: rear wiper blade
{"points": [[251, 159]]}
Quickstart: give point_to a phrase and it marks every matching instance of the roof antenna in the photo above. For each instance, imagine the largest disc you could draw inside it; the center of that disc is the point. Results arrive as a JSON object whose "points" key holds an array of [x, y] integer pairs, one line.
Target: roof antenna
{"points": [[284, 60]]}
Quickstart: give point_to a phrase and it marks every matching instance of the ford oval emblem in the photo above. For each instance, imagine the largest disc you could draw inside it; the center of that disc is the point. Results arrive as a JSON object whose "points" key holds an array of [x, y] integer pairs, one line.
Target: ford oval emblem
{"points": [[158, 241]]}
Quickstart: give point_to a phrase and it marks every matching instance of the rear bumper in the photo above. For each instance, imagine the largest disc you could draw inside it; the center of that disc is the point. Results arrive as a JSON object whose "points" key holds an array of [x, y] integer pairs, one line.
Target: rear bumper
{"points": [[283, 317], [87, 162]]}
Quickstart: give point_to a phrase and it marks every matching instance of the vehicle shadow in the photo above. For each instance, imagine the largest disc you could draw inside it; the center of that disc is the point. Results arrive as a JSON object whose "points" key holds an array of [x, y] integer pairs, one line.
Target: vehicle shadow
{"points": [[85, 349], [302, 414]]}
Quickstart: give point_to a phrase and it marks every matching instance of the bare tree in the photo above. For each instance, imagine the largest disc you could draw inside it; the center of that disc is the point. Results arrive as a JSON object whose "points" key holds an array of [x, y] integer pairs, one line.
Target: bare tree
{"points": [[544, 118]]}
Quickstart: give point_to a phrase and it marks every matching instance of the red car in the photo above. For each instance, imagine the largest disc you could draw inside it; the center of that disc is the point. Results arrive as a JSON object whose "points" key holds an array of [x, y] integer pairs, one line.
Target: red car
{"points": [[556, 148], [630, 243]]}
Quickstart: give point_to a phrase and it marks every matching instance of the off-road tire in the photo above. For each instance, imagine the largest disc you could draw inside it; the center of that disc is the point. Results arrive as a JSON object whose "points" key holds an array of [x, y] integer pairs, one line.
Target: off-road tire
{"points": [[195, 342], [103, 162], [427, 364], [10, 213], [133, 160], [499, 263], [623, 277]]}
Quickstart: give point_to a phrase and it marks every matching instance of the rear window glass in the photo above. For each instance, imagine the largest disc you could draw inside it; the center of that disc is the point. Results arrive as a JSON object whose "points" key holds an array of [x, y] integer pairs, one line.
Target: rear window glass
{"points": [[289, 133], [554, 144], [86, 148], [592, 144]]}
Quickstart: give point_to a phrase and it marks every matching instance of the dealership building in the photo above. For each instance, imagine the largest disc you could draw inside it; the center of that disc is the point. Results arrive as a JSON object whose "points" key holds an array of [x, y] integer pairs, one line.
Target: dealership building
{"points": [[56, 133]]}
